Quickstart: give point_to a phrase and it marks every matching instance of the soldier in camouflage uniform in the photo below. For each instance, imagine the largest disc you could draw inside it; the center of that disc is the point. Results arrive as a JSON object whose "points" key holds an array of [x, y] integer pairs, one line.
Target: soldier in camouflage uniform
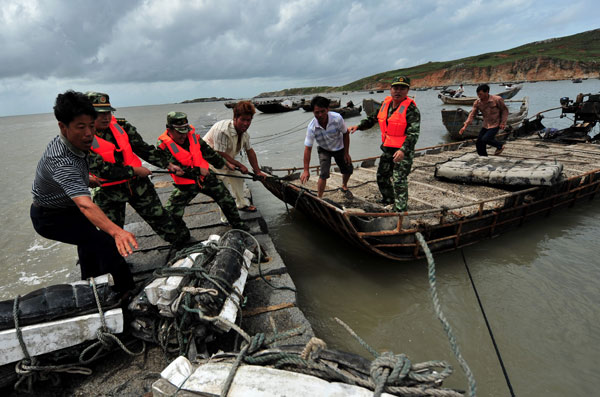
{"points": [[115, 163], [400, 124], [186, 149]]}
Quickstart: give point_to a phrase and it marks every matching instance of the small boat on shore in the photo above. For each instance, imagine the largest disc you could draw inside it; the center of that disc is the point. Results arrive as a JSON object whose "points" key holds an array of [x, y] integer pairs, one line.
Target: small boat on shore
{"points": [[371, 106], [333, 103], [276, 106], [449, 214], [469, 100], [348, 111], [454, 120], [577, 80]]}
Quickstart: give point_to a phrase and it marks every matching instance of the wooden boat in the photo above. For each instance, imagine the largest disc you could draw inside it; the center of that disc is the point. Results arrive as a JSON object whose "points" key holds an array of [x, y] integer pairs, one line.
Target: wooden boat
{"points": [[469, 100], [454, 119], [371, 106], [348, 111], [449, 215], [276, 106], [577, 80], [333, 103], [230, 105]]}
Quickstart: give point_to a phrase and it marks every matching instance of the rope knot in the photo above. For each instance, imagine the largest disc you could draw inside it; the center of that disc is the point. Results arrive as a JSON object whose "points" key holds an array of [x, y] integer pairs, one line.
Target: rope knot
{"points": [[104, 337], [256, 342], [390, 369], [313, 348]]}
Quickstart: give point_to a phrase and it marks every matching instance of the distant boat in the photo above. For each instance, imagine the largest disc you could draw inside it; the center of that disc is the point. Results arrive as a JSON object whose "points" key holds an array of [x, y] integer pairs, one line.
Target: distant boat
{"points": [[371, 92], [469, 100], [348, 111], [276, 106], [578, 80], [379, 90], [333, 103], [371, 106], [454, 119]]}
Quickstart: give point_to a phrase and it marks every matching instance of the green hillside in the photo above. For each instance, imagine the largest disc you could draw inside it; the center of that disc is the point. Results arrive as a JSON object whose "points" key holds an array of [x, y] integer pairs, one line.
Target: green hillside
{"points": [[581, 48]]}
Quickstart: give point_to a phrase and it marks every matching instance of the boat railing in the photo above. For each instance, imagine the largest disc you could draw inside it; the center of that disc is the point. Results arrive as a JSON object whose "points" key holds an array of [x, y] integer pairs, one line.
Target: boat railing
{"points": [[573, 184], [482, 206]]}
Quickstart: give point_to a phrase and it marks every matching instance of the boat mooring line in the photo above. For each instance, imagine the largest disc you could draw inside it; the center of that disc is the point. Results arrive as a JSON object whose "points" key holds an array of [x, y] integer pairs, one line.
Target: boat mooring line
{"points": [[440, 315], [487, 324]]}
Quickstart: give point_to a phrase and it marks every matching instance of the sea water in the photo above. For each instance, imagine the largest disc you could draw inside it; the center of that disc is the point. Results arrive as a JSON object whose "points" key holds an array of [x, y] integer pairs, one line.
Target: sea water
{"points": [[538, 285]]}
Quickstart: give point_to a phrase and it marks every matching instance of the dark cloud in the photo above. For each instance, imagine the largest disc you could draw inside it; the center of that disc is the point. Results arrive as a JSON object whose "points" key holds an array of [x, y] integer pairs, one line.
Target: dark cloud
{"points": [[332, 42]]}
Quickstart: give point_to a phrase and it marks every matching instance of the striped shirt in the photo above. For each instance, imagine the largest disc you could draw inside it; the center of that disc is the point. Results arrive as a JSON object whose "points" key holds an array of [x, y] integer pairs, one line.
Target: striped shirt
{"points": [[330, 138], [62, 174]]}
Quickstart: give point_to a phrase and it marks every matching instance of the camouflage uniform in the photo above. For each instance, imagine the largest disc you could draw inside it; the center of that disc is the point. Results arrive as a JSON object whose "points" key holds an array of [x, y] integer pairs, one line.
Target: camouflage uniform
{"points": [[392, 178], [211, 186], [138, 192]]}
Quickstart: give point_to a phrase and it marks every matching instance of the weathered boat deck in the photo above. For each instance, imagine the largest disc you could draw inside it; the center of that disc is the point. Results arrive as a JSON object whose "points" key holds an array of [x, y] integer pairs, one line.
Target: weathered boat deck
{"points": [[450, 215], [266, 310], [426, 192]]}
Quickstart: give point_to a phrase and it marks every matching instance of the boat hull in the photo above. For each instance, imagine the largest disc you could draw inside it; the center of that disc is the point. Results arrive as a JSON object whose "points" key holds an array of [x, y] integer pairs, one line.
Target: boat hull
{"points": [[467, 101], [454, 119], [392, 235]]}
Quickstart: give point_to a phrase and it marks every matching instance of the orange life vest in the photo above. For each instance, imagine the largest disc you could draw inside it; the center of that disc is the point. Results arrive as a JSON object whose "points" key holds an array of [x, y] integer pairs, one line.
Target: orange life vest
{"points": [[107, 150], [191, 158], [393, 129]]}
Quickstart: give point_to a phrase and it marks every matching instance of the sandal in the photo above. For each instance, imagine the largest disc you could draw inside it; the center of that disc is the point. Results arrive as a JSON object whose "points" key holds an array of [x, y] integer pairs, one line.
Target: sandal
{"points": [[248, 208], [347, 193]]}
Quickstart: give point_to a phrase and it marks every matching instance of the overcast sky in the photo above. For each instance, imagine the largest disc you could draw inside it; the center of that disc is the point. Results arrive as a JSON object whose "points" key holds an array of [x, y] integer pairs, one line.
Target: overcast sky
{"points": [[144, 52]]}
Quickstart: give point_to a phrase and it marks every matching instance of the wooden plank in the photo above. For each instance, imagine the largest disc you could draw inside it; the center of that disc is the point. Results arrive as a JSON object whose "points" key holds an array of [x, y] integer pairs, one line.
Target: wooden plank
{"points": [[55, 335], [444, 190], [250, 381], [266, 309], [423, 202]]}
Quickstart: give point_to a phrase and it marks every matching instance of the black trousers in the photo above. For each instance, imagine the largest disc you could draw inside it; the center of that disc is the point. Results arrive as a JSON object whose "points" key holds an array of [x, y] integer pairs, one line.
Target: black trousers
{"points": [[98, 253], [487, 137]]}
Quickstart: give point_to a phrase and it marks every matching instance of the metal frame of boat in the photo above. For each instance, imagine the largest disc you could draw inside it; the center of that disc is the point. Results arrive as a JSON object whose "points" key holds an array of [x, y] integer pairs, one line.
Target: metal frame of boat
{"points": [[469, 100], [471, 217], [454, 119]]}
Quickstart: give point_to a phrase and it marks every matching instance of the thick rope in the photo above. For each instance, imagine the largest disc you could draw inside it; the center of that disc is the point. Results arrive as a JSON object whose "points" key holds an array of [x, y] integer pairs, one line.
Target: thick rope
{"points": [[438, 310], [103, 334], [252, 346], [393, 373]]}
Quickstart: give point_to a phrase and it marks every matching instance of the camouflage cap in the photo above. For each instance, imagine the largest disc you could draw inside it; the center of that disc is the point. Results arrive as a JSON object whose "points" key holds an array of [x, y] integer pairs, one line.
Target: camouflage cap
{"points": [[100, 101], [178, 121], [401, 80]]}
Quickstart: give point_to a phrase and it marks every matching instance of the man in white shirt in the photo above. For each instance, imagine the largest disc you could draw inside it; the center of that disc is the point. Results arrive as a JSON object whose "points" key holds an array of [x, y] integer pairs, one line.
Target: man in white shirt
{"points": [[228, 138], [330, 132]]}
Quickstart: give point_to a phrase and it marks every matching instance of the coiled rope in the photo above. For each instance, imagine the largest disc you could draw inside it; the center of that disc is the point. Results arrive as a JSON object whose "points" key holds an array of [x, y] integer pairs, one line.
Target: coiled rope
{"points": [[29, 370]]}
